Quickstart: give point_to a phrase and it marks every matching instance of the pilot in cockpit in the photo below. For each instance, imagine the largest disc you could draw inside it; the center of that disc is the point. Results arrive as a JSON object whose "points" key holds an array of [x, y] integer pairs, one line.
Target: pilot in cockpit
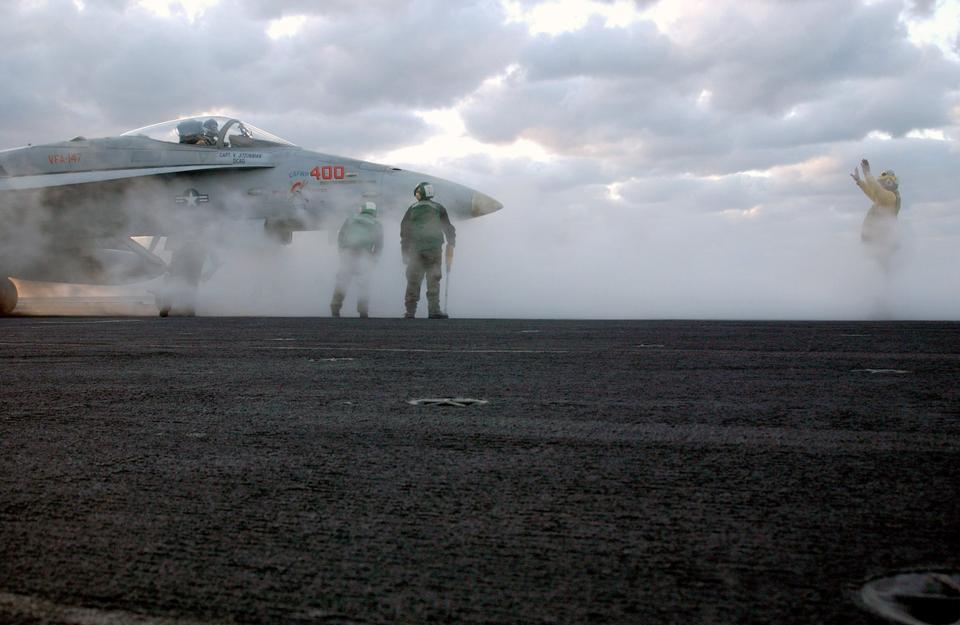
{"points": [[192, 131], [208, 135]]}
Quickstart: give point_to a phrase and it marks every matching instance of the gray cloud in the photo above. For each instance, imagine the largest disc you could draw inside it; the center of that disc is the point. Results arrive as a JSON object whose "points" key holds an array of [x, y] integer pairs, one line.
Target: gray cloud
{"points": [[347, 62], [270, 9], [359, 133], [641, 209], [922, 8], [601, 52], [741, 94], [772, 55], [428, 56]]}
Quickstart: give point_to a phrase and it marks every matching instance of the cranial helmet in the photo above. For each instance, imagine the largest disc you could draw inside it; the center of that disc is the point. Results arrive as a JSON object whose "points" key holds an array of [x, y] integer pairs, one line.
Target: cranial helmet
{"points": [[210, 128], [425, 189], [368, 208], [888, 180], [189, 129]]}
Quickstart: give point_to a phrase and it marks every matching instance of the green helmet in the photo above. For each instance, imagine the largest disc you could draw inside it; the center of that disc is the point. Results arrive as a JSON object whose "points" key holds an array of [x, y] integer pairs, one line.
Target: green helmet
{"points": [[368, 208], [425, 189]]}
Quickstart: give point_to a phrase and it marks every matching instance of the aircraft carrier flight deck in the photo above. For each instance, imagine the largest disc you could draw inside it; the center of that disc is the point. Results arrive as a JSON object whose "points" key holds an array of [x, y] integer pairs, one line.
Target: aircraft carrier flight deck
{"points": [[381, 471]]}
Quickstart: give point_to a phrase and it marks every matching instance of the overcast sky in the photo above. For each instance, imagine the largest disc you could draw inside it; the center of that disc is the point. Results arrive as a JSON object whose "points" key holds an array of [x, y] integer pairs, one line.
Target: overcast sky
{"points": [[680, 158]]}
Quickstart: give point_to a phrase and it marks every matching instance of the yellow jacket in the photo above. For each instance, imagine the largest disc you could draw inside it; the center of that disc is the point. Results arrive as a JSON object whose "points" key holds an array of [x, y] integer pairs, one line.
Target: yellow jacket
{"points": [[886, 206]]}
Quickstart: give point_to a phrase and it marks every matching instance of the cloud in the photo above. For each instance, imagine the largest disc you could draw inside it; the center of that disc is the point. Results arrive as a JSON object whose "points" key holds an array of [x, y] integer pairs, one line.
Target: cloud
{"points": [[737, 93], [694, 158], [345, 62], [922, 8], [600, 52]]}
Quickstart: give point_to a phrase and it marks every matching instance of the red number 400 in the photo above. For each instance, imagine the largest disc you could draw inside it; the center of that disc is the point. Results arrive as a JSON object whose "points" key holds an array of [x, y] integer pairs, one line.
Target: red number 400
{"points": [[328, 172]]}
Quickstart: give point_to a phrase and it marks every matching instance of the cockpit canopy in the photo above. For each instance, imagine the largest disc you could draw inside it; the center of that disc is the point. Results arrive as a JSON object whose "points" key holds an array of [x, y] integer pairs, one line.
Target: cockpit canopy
{"points": [[210, 130]]}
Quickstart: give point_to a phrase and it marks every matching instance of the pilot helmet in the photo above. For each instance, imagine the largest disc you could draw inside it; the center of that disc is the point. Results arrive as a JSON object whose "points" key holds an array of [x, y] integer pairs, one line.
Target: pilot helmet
{"points": [[189, 129], [210, 127], [369, 208], [425, 189]]}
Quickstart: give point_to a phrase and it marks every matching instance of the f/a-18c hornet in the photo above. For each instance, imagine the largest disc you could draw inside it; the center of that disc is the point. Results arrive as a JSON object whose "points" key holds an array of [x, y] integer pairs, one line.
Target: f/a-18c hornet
{"points": [[71, 211]]}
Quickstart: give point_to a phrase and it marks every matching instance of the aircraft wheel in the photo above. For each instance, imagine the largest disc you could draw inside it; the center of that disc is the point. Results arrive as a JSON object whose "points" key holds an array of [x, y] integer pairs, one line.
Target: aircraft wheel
{"points": [[8, 296]]}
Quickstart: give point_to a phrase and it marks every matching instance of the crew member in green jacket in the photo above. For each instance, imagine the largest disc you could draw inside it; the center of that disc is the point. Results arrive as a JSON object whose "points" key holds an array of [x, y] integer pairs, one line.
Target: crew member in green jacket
{"points": [[360, 241], [423, 229]]}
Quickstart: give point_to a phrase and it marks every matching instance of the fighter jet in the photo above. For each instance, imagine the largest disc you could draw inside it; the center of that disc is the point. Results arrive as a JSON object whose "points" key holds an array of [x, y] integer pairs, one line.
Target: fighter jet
{"points": [[77, 211]]}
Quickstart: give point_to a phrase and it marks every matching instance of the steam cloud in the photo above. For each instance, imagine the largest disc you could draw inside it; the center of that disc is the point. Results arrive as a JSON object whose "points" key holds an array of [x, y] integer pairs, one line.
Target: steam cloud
{"points": [[607, 260]]}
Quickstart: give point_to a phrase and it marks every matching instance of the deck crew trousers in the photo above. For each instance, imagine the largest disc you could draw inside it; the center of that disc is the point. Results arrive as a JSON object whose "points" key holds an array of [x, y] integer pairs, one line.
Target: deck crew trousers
{"points": [[424, 263]]}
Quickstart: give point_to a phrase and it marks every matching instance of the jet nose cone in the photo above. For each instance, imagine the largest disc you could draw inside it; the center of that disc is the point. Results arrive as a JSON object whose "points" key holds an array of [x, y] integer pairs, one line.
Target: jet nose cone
{"points": [[483, 204]]}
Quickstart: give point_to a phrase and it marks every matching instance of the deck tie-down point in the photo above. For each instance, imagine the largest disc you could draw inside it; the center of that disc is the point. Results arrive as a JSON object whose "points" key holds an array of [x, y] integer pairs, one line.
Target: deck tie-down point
{"points": [[459, 402]]}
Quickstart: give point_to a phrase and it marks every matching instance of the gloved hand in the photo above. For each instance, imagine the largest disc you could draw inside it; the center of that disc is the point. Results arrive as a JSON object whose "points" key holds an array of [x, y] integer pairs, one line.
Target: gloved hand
{"points": [[449, 256], [865, 166]]}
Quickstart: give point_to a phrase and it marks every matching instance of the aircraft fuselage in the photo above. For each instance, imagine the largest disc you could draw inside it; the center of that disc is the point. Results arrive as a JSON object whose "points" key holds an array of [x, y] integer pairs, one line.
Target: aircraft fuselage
{"points": [[62, 205]]}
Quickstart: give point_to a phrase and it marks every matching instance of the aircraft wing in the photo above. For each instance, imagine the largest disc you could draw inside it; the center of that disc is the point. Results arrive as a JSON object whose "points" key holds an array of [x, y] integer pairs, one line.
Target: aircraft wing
{"points": [[40, 181]]}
